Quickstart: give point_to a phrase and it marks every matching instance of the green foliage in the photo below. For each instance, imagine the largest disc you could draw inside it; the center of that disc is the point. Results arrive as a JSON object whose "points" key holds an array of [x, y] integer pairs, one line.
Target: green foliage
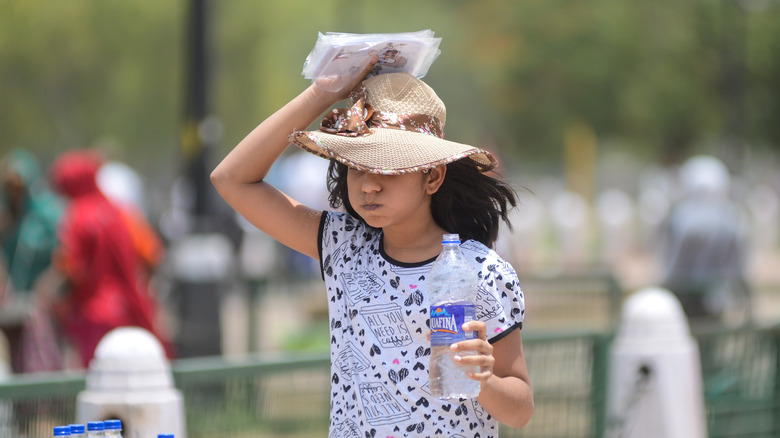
{"points": [[79, 71], [660, 79]]}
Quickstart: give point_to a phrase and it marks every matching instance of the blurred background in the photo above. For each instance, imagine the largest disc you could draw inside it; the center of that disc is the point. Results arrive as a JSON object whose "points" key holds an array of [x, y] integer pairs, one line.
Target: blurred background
{"points": [[608, 116]]}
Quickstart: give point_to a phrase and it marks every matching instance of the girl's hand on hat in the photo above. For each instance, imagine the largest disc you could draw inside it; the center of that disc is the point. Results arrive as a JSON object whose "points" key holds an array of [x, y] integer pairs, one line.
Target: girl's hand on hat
{"points": [[339, 87], [484, 357]]}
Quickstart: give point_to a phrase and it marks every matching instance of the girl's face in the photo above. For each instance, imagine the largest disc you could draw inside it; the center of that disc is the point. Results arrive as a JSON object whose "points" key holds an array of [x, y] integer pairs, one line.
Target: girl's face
{"points": [[387, 200]]}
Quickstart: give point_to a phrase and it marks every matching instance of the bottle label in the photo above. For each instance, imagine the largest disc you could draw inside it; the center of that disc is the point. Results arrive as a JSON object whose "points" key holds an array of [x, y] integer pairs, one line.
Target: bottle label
{"points": [[447, 323]]}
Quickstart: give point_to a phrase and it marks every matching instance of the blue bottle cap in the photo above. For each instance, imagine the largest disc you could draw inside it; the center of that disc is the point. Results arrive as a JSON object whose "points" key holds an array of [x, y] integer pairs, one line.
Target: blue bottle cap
{"points": [[95, 426], [62, 431], [164, 435], [112, 424], [450, 238], [76, 428]]}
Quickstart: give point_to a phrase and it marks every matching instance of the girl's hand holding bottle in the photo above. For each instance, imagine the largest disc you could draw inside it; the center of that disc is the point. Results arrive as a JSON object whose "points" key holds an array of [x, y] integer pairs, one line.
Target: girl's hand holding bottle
{"points": [[484, 359]]}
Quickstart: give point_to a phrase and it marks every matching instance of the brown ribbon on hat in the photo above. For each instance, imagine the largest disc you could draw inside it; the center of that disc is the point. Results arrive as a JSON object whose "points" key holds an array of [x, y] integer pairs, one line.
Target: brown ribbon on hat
{"points": [[360, 117]]}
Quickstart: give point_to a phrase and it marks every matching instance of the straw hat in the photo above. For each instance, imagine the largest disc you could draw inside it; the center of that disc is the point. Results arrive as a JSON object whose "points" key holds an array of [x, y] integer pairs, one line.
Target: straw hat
{"points": [[394, 125]]}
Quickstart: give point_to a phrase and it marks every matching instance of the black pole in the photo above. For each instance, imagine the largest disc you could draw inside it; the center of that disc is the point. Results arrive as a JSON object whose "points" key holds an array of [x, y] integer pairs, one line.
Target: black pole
{"points": [[198, 299], [194, 146], [734, 76]]}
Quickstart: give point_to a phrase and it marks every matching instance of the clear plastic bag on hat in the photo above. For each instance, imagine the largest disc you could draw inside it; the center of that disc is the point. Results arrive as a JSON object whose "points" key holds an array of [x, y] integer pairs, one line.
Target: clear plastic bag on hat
{"points": [[341, 55]]}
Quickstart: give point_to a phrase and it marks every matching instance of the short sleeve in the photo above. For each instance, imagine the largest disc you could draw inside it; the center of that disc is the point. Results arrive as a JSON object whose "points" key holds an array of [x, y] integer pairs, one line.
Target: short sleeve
{"points": [[500, 302], [339, 235]]}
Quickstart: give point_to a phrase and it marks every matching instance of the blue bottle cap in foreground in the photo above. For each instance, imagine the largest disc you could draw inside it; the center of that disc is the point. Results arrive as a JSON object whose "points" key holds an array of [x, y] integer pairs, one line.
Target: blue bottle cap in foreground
{"points": [[450, 238], [62, 431], [95, 426], [165, 435], [113, 424]]}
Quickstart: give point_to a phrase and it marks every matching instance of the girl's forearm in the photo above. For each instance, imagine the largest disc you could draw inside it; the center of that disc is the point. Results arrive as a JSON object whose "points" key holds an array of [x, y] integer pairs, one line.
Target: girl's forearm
{"points": [[507, 399]]}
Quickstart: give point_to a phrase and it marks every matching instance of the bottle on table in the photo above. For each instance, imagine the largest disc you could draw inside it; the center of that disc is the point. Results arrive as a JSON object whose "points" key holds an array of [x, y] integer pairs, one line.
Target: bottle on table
{"points": [[112, 429], [61, 430], [77, 430], [95, 429], [452, 290]]}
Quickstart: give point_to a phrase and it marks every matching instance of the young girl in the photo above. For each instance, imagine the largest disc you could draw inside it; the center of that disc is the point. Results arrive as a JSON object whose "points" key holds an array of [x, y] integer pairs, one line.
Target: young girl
{"points": [[403, 186]]}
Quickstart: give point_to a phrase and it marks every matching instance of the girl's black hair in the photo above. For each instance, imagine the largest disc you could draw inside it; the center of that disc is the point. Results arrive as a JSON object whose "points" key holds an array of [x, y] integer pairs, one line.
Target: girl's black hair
{"points": [[469, 202]]}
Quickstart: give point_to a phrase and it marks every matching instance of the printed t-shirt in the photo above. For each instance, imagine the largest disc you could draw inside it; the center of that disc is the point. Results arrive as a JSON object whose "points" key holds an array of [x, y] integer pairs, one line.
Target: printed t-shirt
{"points": [[379, 350]]}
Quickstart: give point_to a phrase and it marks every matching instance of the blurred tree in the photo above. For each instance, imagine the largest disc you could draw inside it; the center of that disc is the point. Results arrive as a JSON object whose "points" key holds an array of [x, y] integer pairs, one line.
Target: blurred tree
{"points": [[659, 79], [78, 71], [762, 47], [634, 71]]}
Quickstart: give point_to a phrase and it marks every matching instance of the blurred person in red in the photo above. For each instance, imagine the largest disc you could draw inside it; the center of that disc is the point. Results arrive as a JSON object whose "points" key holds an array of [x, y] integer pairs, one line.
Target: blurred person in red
{"points": [[124, 188], [107, 280]]}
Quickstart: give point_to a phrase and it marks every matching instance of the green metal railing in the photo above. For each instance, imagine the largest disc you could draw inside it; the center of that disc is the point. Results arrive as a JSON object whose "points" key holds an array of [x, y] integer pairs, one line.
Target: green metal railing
{"points": [[588, 301], [569, 377], [255, 396], [288, 395], [566, 338], [741, 372]]}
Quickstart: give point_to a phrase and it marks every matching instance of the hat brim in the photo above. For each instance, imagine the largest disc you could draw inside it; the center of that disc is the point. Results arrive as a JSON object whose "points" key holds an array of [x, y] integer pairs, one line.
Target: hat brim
{"points": [[390, 151]]}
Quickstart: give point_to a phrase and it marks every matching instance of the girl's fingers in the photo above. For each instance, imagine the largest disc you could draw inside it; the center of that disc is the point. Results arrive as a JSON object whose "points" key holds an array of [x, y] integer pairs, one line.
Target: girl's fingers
{"points": [[476, 359], [485, 364], [480, 376], [343, 85], [484, 358], [476, 326], [478, 345]]}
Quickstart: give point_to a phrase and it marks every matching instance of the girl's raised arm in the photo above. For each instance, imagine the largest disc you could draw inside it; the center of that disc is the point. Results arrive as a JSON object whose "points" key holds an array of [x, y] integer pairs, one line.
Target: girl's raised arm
{"points": [[239, 177]]}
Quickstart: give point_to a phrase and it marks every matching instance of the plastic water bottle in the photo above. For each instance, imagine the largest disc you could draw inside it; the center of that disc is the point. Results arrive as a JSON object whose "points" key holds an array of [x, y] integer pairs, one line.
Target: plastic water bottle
{"points": [[77, 430], [452, 288], [112, 429], [95, 429], [61, 430]]}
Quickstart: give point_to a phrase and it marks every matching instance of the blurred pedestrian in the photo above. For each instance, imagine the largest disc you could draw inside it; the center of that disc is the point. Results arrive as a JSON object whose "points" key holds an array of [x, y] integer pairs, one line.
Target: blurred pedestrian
{"points": [[706, 238], [28, 232], [124, 188], [106, 283], [29, 226]]}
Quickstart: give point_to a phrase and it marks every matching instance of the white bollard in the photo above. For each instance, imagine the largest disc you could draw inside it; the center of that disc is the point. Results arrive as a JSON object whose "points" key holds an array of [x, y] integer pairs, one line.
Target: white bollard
{"points": [[6, 372], [130, 379], [655, 383]]}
